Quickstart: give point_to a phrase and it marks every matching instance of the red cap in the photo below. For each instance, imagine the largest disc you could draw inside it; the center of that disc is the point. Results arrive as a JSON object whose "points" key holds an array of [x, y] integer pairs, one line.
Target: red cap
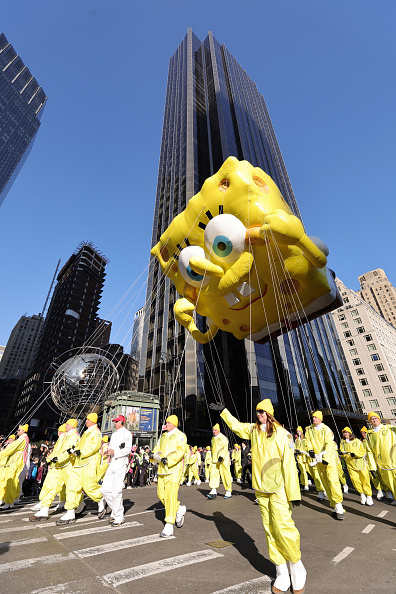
{"points": [[119, 418]]}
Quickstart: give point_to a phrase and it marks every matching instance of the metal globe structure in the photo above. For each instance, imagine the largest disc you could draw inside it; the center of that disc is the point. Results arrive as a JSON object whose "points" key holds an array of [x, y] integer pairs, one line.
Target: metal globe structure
{"points": [[82, 383]]}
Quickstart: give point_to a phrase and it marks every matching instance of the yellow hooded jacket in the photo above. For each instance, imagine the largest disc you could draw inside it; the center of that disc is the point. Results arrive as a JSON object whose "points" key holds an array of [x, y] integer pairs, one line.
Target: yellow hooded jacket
{"points": [[219, 448], [321, 441], [383, 445], [273, 464], [355, 446], [13, 453], [89, 445], [173, 447], [70, 439]]}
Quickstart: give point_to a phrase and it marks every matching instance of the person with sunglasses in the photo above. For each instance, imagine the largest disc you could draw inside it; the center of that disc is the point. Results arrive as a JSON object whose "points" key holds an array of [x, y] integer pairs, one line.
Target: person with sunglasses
{"points": [[275, 480]]}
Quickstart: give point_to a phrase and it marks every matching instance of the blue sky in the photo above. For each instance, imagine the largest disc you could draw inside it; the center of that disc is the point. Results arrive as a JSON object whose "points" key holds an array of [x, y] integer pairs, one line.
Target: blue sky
{"points": [[325, 69]]}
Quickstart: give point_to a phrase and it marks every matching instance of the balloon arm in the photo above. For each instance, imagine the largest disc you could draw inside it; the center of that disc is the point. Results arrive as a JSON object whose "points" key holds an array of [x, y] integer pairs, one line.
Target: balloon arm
{"points": [[205, 267], [312, 252], [184, 311], [234, 275]]}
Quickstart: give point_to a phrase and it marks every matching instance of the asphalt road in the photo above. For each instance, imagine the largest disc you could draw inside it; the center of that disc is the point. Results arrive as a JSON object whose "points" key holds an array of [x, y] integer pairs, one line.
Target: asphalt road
{"points": [[90, 557]]}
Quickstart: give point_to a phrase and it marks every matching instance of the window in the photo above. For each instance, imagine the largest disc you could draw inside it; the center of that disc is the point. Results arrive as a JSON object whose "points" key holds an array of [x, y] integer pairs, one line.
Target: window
{"points": [[356, 361], [357, 321], [346, 299], [344, 325], [371, 347], [367, 392], [363, 381], [379, 367], [361, 330], [373, 403], [375, 357], [347, 334], [360, 371], [383, 378], [354, 312], [362, 404], [353, 352], [350, 342], [368, 337], [387, 389], [379, 413], [391, 401], [341, 317], [393, 411]]}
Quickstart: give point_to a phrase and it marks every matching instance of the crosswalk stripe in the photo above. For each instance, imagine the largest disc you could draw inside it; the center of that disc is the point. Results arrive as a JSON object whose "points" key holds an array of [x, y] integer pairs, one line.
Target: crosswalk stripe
{"points": [[25, 541], [249, 587], [75, 533], [124, 544], [135, 573], [26, 563]]}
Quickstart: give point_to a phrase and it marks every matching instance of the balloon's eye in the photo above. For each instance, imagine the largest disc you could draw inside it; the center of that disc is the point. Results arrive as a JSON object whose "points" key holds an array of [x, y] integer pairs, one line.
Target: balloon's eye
{"points": [[225, 237], [189, 275]]}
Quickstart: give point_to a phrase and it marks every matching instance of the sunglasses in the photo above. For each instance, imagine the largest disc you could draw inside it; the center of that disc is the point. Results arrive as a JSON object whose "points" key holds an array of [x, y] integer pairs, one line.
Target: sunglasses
{"points": [[260, 412]]}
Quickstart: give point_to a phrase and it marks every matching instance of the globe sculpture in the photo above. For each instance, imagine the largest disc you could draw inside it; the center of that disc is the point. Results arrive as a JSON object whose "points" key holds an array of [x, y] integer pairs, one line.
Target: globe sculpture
{"points": [[83, 382]]}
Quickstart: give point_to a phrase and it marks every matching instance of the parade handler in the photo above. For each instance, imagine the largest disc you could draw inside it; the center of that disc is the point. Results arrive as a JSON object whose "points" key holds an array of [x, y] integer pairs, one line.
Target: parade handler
{"points": [[354, 454], [275, 480], [169, 454], [381, 440], [13, 457], [84, 473], [220, 466], [113, 483]]}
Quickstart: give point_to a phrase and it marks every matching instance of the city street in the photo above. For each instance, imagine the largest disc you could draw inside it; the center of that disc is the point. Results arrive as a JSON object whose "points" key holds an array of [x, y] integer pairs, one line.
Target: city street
{"points": [[356, 555]]}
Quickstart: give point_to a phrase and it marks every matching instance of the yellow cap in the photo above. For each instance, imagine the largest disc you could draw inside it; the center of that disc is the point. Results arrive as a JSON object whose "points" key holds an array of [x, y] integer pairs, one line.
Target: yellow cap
{"points": [[299, 429], [173, 419], [72, 422], [364, 429], [347, 429], [266, 405], [12, 437], [24, 428], [318, 414], [105, 438], [373, 414], [93, 417], [217, 426], [62, 428], [208, 447], [195, 448]]}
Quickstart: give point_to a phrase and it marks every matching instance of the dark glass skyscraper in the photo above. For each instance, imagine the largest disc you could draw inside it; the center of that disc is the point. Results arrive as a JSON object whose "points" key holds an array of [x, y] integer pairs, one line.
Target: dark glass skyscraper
{"points": [[21, 105], [213, 110]]}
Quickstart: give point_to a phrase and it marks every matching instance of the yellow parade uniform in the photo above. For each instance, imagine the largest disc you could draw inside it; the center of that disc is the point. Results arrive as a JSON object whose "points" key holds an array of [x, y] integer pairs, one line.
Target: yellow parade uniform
{"points": [[12, 460], [102, 462], [236, 458], [275, 479], [321, 441], [208, 462], [382, 443], [193, 467], [84, 473], [357, 466], [219, 449], [340, 470], [172, 445], [59, 473], [372, 467], [302, 462]]}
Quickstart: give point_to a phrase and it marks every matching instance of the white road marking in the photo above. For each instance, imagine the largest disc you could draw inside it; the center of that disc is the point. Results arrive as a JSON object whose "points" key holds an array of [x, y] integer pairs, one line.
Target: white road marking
{"points": [[25, 563], [135, 573], [344, 553], [249, 587], [25, 541], [368, 528], [123, 544], [75, 533], [382, 514]]}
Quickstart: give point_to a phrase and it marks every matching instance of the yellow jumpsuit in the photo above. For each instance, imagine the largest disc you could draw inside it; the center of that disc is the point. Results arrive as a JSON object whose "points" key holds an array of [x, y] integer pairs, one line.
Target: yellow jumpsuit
{"points": [[372, 468], [193, 467], [236, 458], [13, 458], [382, 443], [172, 445], [208, 462], [321, 441], [302, 461], [219, 449], [84, 473], [58, 474], [357, 467], [102, 462], [340, 470], [275, 479]]}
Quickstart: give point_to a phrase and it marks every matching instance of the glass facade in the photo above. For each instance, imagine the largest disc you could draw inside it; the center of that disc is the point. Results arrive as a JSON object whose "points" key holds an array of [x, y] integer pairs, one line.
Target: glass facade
{"points": [[213, 110], [21, 105]]}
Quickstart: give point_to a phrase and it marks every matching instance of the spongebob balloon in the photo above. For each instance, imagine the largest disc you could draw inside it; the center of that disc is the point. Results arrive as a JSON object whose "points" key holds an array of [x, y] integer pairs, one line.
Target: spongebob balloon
{"points": [[239, 257]]}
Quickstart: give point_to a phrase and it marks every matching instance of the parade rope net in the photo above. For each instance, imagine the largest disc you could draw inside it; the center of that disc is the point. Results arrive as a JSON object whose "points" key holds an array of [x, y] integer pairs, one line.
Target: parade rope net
{"points": [[299, 341]]}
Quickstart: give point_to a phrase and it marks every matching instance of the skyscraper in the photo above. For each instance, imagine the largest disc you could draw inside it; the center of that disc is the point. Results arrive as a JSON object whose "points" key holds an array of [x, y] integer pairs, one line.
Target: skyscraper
{"points": [[213, 110], [379, 292], [20, 349], [21, 106]]}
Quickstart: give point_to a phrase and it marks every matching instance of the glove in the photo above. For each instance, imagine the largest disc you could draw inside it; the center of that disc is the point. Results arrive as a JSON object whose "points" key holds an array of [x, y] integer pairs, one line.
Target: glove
{"points": [[297, 452], [164, 461], [77, 452], [295, 503], [54, 460], [157, 457], [342, 453], [311, 453], [70, 451], [122, 445], [352, 455], [318, 458], [220, 459], [217, 406], [325, 463]]}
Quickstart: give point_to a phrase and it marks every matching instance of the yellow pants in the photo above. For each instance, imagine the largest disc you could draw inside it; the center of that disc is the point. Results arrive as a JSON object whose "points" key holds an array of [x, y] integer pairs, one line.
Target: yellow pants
{"points": [[55, 482], [217, 470], [102, 470], [168, 491], [341, 475], [192, 472], [376, 480], [237, 470], [303, 473], [313, 471], [329, 477], [82, 478], [283, 538], [207, 472], [9, 483], [388, 478], [360, 480]]}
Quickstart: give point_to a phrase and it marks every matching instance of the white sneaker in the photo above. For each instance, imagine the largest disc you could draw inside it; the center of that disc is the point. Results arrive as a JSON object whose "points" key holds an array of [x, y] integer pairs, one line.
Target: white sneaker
{"points": [[282, 581], [188, 484], [338, 508], [167, 531], [180, 516], [305, 488], [239, 481], [298, 575], [101, 505], [380, 495], [207, 480], [42, 513], [198, 483], [369, 500], [7, 506], [69, 515], [345, 488], [227, 495], [309, 483], [321, 496], [363, 498], [37, 506]]}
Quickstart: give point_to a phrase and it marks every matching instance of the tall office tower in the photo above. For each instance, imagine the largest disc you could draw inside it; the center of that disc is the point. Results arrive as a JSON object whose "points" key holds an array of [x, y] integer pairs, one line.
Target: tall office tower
{"points": [[378, 291], [21, 347], [369, 344], [71, 322], [2, 349], [137, 334], [21, 106], [213, 110]]}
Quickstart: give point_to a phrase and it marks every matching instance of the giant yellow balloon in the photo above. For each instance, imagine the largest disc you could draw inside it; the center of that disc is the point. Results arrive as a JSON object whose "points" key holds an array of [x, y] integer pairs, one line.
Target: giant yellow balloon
{"points": [[238, 256]]}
